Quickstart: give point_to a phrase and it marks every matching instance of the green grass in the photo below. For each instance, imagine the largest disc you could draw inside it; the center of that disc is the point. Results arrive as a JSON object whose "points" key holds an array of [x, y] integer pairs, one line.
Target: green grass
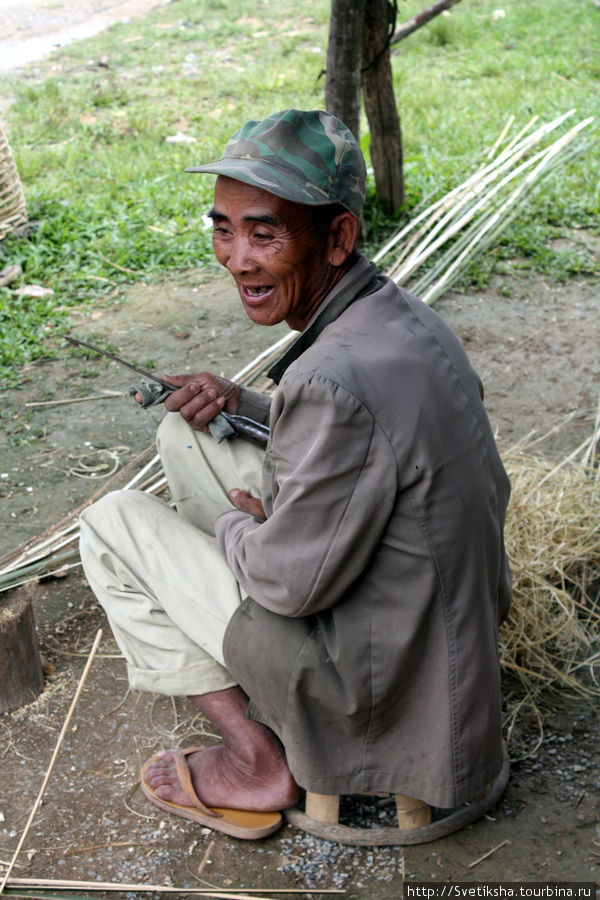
{"points": [[114, 204]]}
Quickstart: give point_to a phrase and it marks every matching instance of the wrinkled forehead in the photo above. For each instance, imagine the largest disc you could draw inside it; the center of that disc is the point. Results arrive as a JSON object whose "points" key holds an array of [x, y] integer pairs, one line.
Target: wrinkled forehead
{"points": [[236, 199]]}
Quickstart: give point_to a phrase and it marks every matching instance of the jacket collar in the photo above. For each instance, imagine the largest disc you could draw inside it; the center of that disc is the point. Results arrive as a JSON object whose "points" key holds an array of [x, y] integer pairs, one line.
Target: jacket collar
{"points": [[359, 281]]}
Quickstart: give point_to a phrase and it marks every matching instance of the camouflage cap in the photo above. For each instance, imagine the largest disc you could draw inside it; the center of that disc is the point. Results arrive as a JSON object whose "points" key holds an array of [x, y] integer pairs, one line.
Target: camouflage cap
{"points": [[308, 157]]}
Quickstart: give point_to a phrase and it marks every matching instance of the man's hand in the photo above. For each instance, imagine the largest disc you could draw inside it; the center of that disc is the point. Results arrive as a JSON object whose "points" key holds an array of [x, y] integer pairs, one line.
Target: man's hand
{"points": [[246, 502], [200, 397]]}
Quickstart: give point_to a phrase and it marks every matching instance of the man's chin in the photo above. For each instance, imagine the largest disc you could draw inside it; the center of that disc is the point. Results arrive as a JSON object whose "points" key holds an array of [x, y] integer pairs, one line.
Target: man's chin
{"points": [[262, 315]]}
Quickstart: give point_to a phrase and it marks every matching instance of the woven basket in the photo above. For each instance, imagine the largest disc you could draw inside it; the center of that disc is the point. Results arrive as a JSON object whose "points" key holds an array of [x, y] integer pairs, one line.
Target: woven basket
{"points": [[13, 211]]}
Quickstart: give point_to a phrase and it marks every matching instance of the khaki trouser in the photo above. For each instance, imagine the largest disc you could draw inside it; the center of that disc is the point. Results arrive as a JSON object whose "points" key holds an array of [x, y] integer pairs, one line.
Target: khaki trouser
{"points": [[167, 591]]}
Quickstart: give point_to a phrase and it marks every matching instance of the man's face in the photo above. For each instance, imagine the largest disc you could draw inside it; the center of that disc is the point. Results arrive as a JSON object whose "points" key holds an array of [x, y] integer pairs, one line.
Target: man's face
{"points": [[268, 245]]}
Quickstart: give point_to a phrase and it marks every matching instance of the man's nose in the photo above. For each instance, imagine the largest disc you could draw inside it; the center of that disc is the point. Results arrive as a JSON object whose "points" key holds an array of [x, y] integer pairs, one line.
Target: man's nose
{"points": [[240, 256]]}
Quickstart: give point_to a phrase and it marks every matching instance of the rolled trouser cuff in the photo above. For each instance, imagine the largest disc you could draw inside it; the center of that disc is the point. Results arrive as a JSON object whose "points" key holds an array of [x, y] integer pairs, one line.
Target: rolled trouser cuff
{"points": [[203, 677]]}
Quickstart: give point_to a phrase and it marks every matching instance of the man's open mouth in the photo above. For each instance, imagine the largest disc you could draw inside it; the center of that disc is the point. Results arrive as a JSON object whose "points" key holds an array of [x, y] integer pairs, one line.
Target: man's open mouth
{"points": [[258, 291]]}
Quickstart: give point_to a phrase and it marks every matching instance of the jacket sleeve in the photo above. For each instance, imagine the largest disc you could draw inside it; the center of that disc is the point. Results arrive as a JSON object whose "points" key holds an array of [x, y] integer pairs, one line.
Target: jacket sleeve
{"points": [[334, 486], [254, 405]]}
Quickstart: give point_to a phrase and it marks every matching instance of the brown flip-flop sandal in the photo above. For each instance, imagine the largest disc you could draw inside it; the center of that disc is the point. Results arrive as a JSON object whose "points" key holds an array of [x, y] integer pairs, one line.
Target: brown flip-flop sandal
{"points": [[239, 823], [447, 823]]}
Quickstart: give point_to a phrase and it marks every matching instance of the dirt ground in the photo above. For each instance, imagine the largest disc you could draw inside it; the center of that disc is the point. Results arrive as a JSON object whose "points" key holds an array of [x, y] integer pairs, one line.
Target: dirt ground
{"points": [[535, 345]]}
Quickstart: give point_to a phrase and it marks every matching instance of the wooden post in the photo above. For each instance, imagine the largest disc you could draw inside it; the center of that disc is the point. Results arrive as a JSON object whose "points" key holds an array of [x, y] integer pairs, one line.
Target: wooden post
{"points": [[342, 82], [380, 106], [21, 676]]}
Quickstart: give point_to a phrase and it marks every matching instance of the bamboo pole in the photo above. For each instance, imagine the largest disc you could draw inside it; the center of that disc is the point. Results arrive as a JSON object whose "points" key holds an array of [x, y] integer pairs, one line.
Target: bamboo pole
{"points": [[455, 225], [53, 759], [50, 884], [244, 374], [513, 197], [515, 149]]}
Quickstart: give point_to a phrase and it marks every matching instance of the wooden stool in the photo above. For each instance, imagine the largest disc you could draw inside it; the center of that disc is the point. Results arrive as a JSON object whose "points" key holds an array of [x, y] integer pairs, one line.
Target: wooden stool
{"points": [[416, 825], [321, 818], [412, 813]]}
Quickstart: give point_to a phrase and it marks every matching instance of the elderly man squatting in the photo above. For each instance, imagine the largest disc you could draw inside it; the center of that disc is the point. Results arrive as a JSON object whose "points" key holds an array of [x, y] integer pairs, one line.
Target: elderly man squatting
{"points": [[331, 604]]}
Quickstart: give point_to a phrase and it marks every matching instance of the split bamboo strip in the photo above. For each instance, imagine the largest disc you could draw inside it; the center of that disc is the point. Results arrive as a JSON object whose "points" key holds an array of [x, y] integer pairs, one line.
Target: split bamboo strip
{"points": [[401, 273], [489, 853], [234, 894], [475, 186], [591, 451], [480, 197], [205, 859], [476, 238], [105, 395], [138, 888], [521, 134], [448, 209], [257, 364], [46, 568], [40, 549], [493, 149], [474, 179], [61, 736], [497, 217], [473, 215]]}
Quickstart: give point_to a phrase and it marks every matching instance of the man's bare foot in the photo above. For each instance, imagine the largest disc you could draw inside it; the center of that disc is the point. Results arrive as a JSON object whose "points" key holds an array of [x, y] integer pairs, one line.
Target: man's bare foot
{"points": [[222, 779], [247, 771]]}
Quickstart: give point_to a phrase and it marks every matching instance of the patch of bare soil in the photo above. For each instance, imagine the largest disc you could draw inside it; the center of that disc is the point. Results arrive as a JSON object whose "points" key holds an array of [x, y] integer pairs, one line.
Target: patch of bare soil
{"points": [[534, 343], [30, 29]]}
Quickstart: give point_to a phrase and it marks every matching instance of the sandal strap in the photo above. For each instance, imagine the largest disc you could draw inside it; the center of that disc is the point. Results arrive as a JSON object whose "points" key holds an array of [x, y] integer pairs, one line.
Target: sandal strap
{"points": [[185, 780]]}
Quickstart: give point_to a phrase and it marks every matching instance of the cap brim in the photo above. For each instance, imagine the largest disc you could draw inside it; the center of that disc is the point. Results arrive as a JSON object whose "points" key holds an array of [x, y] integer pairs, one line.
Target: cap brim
{"points": [[282, 183]]}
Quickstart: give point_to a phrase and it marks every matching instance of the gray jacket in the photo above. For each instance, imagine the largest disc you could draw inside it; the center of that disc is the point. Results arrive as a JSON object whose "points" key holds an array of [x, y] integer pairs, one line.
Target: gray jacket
{"points": [[377, 582]]}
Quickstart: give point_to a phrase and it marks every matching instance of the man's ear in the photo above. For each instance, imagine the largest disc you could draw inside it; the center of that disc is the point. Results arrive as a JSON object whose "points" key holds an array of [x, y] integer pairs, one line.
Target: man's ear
{"points": [[343, 237]]}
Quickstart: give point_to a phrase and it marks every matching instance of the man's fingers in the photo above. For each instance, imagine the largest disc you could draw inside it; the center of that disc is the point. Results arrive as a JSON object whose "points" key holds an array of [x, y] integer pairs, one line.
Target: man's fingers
{"points": [[247, 503], [177, 380], [199, 408], [192, 399], [178, 399], [200, 419]]}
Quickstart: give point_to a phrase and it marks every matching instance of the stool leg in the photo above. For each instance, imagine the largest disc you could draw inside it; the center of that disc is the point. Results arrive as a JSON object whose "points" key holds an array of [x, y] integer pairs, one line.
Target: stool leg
{"points": [[412, 813], [323, 807]]}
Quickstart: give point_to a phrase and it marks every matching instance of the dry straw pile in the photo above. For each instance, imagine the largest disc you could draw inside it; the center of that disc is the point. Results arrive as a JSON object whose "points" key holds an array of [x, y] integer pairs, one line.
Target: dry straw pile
{"points": [[551, 639]]}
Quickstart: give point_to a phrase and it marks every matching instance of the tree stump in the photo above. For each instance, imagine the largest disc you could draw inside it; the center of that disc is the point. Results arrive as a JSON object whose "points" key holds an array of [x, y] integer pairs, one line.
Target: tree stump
{"points": [[21, 675]]}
